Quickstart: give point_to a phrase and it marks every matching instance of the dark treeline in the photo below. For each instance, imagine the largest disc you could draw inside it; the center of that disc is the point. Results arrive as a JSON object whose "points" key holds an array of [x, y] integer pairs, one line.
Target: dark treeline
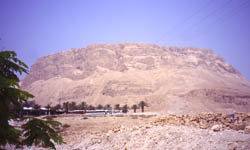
{"points": [[67, 106], [32, 108]]}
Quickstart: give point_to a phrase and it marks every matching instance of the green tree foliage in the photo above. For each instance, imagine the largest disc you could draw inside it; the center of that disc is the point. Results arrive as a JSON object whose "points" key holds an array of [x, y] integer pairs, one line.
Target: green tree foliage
{"points": [[40, 132], [12, 97], [142, 104], [134, 107], [10, 65]]}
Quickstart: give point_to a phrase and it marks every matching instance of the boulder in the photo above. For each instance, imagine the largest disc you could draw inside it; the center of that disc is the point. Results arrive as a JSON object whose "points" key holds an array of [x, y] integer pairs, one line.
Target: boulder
{"points": [[216, 128], [247, 130]]}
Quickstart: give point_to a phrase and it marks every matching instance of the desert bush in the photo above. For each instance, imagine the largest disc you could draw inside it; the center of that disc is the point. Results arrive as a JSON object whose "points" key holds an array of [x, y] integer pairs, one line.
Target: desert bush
{"points": [[65, 125]]}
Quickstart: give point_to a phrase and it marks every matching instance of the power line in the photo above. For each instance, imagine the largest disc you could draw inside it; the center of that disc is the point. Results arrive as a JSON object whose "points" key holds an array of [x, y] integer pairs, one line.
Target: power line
{"points": [[186, 20], [222, 6], [213, 12], [233, 12]]}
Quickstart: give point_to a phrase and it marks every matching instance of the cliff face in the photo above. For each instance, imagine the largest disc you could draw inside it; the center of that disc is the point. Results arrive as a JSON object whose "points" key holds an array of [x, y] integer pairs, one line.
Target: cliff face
{"points": [[170, 79]]}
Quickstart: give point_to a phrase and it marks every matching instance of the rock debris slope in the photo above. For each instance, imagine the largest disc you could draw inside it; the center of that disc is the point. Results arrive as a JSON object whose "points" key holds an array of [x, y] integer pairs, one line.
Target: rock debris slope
{"points": [[169, 79]]}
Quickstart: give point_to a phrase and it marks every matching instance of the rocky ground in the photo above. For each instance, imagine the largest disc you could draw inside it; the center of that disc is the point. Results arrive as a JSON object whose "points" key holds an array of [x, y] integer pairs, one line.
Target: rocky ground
{"points": [[155, 131]]}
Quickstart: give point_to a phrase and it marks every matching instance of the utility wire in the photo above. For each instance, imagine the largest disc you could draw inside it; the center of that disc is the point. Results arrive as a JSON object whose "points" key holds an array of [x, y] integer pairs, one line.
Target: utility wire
{"points": [[233, 12], [212, 13], [186, 20], [222, 6]]}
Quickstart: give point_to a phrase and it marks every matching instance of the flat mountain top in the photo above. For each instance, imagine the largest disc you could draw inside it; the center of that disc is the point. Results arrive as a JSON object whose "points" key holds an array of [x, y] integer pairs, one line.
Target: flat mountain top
{"points": [[169, 79]]}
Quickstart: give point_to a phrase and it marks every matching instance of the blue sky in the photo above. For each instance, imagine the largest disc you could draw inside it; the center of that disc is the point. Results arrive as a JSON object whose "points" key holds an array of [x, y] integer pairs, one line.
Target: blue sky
{"points": [[35, 28]]}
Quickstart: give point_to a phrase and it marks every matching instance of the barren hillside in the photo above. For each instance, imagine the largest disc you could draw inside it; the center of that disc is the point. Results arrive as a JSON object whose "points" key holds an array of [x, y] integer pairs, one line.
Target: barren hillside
{"points": [[169, 79]]}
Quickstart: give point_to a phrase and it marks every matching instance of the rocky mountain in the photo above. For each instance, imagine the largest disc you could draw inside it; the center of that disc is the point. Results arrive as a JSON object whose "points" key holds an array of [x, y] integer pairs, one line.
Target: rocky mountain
{"points": [[169, 79]]}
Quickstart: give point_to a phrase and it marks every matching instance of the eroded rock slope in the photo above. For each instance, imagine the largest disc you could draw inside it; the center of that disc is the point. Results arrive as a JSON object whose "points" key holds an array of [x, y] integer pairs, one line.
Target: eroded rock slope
{"points": [[169, 79]]}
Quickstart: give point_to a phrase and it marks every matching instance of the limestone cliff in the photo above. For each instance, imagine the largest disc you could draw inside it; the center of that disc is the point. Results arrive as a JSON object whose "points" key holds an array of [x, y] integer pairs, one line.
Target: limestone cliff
{"points": [[170, 79]]}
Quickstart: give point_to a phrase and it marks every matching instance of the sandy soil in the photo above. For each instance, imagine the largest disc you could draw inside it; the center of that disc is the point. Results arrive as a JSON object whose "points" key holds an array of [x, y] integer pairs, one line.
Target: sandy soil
{"points": [[98, 124]]}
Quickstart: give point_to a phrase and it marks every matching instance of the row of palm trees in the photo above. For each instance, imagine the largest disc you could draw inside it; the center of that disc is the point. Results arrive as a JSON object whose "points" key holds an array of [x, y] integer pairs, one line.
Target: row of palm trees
{"points": [[67, 106], [141, 105], [84, 106]]}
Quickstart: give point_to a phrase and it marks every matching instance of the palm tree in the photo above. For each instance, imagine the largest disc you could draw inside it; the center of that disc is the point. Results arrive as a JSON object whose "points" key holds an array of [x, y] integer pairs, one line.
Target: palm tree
{"points": [[108, 107], [134, 107], [125, 108], [99, 106], [82, 106], [58, 106], [117, 107], [66, 106], [142, 104], [90, 107], [56, 109], [72, 106]]}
